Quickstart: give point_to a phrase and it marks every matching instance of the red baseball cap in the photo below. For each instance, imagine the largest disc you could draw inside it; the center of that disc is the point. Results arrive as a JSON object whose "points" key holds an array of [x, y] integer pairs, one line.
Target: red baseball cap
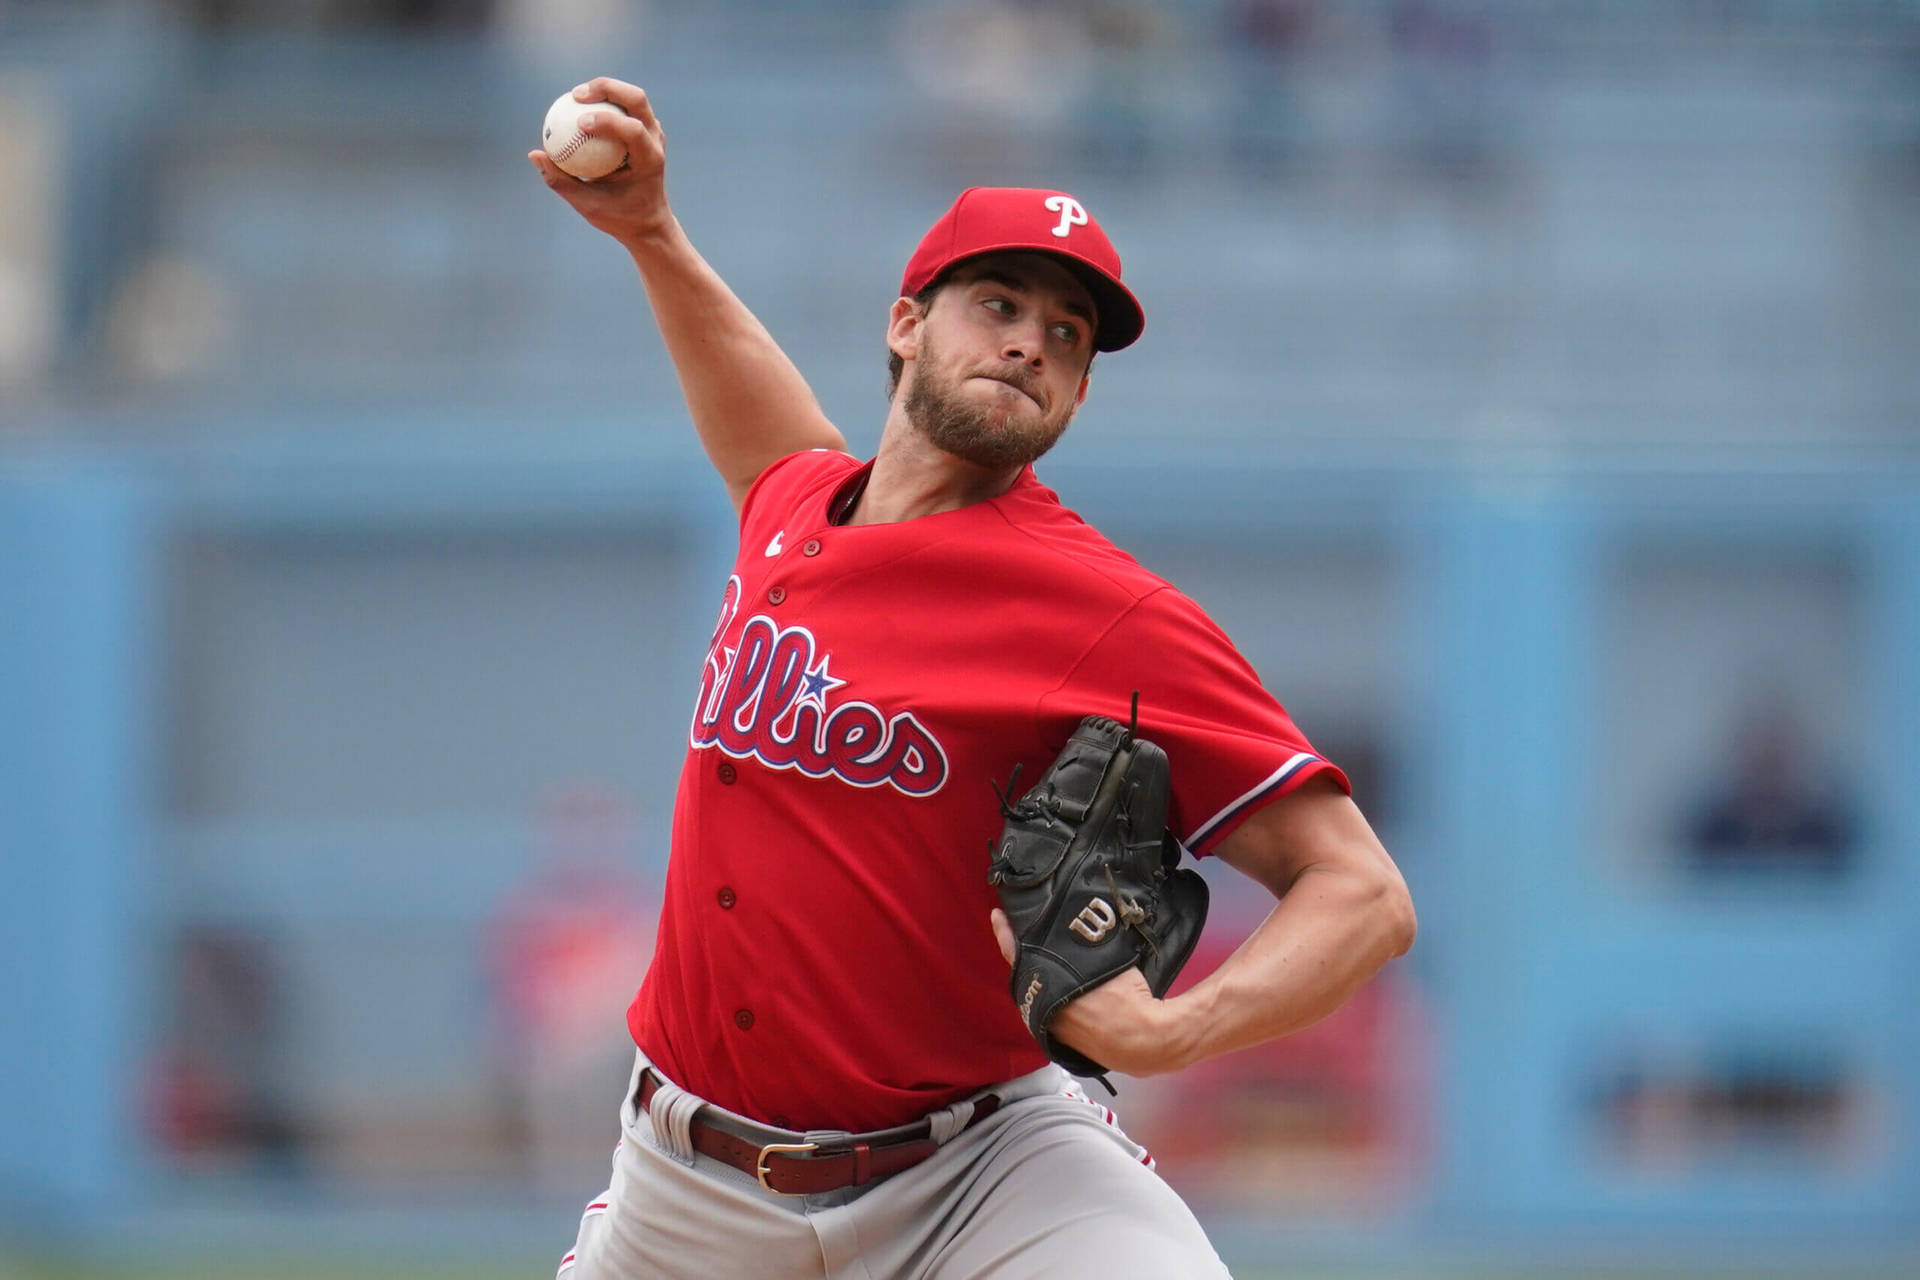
{"points": [[1002, 219]]}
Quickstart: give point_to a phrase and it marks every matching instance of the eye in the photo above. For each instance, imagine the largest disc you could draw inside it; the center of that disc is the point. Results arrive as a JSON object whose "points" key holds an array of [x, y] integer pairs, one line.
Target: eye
{"points": [[1001, 305], [1067, 333]]}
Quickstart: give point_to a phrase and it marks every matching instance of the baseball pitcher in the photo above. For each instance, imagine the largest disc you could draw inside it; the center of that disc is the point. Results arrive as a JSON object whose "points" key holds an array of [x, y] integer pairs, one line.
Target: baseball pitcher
{"points": [[949, 750]]}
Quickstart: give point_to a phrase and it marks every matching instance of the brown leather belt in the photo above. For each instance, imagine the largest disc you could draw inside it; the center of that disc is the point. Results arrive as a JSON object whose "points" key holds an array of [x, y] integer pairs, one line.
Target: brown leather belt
{"points": [[789, 1164]]}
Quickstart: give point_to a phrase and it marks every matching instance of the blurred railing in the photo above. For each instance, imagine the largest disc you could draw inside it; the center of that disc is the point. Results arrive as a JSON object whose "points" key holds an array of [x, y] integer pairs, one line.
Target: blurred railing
{"points": [[1374, 230]]}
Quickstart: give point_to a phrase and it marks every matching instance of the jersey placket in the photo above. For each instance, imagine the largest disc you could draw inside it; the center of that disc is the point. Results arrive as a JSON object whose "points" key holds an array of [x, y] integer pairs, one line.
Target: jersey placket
{"points": [[776, 588]]}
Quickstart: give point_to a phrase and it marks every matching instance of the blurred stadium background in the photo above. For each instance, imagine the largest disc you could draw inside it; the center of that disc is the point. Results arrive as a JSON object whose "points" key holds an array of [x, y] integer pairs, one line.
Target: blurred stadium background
{"points": [[1533, 389]]}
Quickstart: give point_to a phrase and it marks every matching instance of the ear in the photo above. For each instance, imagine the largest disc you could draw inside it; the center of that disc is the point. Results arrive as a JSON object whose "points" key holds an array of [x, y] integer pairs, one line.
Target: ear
{"points": [[903, 328], [1080, 396]]}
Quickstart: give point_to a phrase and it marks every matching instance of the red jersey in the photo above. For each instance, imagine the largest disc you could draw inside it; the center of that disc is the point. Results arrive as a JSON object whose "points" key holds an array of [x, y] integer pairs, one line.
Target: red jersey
{"points": [[824, 958]]}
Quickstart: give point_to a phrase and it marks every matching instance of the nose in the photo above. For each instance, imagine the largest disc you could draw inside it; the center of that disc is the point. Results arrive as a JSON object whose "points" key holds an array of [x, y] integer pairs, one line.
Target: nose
{"points": [[1024, 344]]}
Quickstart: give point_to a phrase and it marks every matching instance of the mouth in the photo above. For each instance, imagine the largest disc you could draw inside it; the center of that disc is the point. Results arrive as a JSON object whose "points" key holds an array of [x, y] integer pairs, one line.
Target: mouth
{"points": [[1022, 389]]}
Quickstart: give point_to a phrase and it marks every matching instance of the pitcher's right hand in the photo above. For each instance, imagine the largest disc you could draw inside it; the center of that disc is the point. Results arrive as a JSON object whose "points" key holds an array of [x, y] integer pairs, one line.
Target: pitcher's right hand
{"points": [[629, 204]]}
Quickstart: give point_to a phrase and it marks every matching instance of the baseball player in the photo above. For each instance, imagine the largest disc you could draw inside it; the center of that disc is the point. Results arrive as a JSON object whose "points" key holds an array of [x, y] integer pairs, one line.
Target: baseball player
{"points": [[833, 1078]]}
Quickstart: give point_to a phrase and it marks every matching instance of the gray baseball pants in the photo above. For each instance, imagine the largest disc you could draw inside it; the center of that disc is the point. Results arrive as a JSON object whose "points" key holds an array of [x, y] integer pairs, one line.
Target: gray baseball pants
{"points": [[1047, 1185]]}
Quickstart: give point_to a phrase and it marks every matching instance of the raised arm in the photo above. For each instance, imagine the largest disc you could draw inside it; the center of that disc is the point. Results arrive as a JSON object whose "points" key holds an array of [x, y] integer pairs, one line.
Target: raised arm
{"points": [[749, 404]]}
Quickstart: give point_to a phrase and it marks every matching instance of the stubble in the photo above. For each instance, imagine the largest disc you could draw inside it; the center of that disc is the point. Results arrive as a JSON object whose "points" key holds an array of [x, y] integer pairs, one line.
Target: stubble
{"points": [[996, 442]]}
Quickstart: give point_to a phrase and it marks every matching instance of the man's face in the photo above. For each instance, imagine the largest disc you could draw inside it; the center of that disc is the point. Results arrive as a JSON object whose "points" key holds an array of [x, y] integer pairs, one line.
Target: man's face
{"points": [[1003, 350]]}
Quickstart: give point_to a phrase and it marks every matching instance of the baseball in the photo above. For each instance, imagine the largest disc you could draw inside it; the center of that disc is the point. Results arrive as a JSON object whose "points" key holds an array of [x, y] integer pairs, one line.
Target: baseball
{"points": [[582, 155]]}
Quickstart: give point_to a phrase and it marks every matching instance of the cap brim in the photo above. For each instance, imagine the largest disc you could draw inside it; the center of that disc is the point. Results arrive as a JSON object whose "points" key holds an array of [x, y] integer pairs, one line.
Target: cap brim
{"points": [[1121, 319]]}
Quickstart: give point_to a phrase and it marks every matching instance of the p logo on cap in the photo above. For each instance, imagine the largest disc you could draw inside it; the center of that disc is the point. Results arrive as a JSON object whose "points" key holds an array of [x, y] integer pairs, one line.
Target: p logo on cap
{"points": [[1071, 213], [1009, 219]]}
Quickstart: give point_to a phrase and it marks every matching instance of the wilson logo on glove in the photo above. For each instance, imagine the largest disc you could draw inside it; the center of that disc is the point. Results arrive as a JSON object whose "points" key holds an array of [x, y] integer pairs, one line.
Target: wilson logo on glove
{"points": [[1093, 831], [1095, 921], [1026, 1001]]}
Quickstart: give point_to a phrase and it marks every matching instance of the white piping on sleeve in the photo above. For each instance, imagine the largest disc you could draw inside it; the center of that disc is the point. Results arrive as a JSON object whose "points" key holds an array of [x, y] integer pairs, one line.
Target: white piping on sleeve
{"points": [[1272, 780]]}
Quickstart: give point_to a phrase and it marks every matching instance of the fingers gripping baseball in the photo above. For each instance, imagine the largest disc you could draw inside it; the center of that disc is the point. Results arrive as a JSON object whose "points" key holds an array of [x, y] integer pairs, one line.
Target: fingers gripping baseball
{"points": [[638, 130], [629, 203], [630, 98]]}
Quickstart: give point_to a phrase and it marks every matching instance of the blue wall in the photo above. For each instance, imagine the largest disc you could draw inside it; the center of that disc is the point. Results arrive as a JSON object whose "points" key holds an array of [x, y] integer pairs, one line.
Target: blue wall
{"points": [[1536, 956], [78, 588]]}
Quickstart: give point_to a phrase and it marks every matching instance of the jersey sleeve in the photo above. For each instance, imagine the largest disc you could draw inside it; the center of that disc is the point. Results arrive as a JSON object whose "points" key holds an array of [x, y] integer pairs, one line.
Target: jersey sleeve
{"points": [[1231, 745]]}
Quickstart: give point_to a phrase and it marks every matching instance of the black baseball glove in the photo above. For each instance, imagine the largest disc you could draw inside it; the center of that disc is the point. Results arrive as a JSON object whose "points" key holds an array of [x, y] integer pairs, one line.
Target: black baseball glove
{"points": [[1090, 879]]}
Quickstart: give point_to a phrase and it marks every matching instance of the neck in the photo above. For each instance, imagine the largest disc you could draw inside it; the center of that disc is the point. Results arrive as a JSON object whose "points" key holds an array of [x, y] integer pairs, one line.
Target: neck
{"points": [[912, 477]]}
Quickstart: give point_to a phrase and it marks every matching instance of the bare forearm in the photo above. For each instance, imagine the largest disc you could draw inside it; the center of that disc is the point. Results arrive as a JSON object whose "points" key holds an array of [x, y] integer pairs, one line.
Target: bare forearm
{"points": [[749, 404], [1321, 942], [1342, 912]]}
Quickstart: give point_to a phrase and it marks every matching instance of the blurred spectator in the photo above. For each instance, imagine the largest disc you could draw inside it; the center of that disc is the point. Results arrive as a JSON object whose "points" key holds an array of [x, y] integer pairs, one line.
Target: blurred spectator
{"points": [[29, 233], [1329, 1117], [1126, 40], [1265, 39], [551, 34], [171, 320], [216, 1089], [1442, 55], [1772, 810], [402, 15], [996, 72], [1731, 1102], [565, 951]]}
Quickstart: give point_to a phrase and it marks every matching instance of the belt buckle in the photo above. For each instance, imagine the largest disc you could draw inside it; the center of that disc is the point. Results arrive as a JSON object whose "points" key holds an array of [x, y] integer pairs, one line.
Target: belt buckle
{"points": [[760, 1162]]}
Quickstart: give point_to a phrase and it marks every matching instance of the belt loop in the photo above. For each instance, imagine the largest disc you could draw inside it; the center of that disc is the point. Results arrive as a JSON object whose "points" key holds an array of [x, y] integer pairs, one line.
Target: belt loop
{"points": [[943, 1124], [862, 1164], [671, 1112]]}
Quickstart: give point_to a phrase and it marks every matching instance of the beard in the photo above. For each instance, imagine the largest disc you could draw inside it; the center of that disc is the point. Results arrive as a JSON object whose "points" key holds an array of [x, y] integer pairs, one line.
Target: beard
{"points": [[987, 437]]}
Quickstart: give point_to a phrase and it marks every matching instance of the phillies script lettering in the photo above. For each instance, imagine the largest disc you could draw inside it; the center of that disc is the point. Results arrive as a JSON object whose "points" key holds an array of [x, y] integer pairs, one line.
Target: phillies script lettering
{"points": [[765, 696]]}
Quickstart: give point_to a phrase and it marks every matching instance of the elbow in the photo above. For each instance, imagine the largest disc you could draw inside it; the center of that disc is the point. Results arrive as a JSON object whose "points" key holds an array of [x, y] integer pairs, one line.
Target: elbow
{"points": [[1393, 908]]}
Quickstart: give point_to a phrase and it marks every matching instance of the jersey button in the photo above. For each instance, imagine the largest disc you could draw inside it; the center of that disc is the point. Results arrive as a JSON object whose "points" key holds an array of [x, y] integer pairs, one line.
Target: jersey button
{"points": [[726, 899], [743, 1019], [727, 772], [776, 595], [811, 549]]}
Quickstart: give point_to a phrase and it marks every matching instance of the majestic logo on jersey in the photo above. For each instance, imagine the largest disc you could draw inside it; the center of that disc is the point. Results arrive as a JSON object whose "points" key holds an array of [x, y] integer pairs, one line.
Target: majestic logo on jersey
{"points": [[765, 697], [1071, 214]]}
